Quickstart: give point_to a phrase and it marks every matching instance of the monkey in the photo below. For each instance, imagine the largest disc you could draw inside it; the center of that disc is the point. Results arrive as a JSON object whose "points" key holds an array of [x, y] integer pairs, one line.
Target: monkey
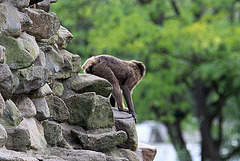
{"points": [[123, 75]]}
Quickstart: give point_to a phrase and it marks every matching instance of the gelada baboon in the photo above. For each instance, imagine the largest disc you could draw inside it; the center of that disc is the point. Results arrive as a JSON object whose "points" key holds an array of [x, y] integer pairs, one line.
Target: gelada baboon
{"points": [[121, 74]]}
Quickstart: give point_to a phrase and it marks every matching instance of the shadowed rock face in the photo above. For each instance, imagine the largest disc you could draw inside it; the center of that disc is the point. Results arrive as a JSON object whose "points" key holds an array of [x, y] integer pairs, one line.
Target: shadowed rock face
{"points": [[48, 111]]}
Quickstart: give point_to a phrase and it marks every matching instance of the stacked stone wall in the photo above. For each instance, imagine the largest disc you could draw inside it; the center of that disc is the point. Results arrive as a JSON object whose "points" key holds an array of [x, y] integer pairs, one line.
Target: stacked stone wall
{"points": [[47, 110]]}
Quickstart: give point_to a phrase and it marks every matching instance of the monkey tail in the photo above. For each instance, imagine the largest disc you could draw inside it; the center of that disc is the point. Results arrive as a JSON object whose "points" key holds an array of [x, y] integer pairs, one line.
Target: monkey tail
{"points": [[89, 63]]}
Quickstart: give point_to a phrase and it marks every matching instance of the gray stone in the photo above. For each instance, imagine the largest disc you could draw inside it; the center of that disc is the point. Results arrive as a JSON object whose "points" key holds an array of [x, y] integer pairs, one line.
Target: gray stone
{"points": [[90, 83], [124, 153], [2, 54], [42, 91], [10, 155], [2, 105], [32, 78], [20, 3], [58, 109], [57, 88], [124, 121], [71, 62], [89, 111], [36, 131], [64, 38], [40, 60], [26, 106], [3, 136], [6, 81], [42, 108], [20, 52], [103, 142], [53, 134], [10, 21], [26, 22], [146, 152], [78, 155], [44, 5], [18, 139], [111, 158], [44, 24], [12, 115]]}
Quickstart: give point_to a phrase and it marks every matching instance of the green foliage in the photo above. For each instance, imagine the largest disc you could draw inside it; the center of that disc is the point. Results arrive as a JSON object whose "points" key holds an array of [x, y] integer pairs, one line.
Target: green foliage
{"points": [[199, 41]]}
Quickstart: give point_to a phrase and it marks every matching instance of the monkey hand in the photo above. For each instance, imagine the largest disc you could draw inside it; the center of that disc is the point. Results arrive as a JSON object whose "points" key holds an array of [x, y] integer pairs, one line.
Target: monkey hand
{"points": [[135, 117]]}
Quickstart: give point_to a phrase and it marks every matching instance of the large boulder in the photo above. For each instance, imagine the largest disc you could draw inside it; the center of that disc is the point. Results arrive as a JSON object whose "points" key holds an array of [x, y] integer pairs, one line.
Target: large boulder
{"points": [[53, 134], [19, 4], [42, 108], [36, 131], [91, 83], [18, 139], [32, 78], [6, 81], [124, 121], [89, 111], [44, 24], [10, 21], [12, 116], [3, 136], [2, 105], [124, 153], [20, 52], [78, 155], [71, 62], [26, 106], [58, 109], [103, 142]]}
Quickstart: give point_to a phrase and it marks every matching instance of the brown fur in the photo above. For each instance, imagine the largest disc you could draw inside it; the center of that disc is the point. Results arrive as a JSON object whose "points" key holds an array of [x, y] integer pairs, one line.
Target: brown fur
{"points": [[123, 75]]}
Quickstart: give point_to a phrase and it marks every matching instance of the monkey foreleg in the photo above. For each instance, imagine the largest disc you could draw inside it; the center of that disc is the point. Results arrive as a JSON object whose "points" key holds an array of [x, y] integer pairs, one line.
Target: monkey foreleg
{"points": [[128, 98]]}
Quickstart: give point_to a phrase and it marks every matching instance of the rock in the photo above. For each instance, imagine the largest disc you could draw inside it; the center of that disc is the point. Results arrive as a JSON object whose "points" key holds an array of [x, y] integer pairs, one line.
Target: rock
{"points": [[71, 62], [40, 60], [2, 54], [12, 116], [124, 121], [19, 4], [64, 38], [42, 108], [44, 5], [42, 91], [10, 155], [90, 83], [53, 134], [104, 142], [78, 155], [6, 81], [146, 152], [124, 153], [58, 109], [35, 129], [32, 78], [25, 21], [57, 88], [67, 134], [111, 158], [26, 106], [3, 136], [18, 139], [2, 105], [89, 111], [20, 52], [10, 21], [44, 24]]}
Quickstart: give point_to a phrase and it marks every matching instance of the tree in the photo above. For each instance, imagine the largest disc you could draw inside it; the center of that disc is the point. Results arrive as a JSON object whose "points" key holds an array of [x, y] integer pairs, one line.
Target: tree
{"points": [[191, 51]]}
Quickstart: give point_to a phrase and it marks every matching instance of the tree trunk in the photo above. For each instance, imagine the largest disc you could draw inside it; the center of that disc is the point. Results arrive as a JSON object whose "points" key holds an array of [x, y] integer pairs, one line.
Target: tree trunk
{"points": [[209, 150], [175, 132]]}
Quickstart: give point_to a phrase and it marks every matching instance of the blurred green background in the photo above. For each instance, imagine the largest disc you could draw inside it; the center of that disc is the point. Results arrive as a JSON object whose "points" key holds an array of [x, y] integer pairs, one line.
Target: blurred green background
{"points": [[191, 49]]}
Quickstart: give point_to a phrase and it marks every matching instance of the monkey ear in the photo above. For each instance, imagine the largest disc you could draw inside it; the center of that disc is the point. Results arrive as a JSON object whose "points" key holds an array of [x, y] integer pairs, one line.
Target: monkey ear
{"points": [[140, 66]]}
